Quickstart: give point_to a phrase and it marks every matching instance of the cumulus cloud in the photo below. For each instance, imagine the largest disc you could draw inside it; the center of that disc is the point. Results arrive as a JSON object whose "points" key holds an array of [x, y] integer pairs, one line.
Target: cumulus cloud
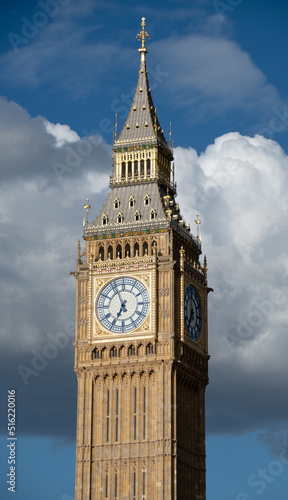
{"points": [[62, 133], [33, 147], [47, 173], [238, 185]]}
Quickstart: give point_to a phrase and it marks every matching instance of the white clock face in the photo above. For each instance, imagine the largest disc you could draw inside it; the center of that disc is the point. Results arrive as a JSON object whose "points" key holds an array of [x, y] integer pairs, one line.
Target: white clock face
{"points": [[122, 305]]}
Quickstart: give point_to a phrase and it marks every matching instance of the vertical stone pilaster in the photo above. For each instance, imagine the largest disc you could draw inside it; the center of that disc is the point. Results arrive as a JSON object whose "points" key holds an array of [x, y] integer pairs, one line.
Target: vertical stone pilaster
{"points": [[90, 297], [154, 294], [182, 257]]}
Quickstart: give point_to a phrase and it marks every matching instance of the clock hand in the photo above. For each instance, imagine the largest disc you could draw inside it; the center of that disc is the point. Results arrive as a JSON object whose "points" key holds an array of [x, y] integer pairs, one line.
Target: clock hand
{"points": [[119, 295], [122, 308], [191, 315]]}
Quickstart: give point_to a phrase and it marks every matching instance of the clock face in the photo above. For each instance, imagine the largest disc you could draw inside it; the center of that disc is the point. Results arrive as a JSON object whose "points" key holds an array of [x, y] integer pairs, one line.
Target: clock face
{"points": [[192, 312], [122, 305]]}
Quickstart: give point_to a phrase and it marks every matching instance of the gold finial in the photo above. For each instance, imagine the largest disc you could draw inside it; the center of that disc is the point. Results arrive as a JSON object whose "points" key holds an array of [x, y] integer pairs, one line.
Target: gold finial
{"points": [[167, 198], [87, 206], [197, 222], [170, 135], [143, 35]]}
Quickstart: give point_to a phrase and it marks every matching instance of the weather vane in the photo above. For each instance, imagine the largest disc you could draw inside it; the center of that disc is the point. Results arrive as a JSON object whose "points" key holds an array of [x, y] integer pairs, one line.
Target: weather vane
{"points": [[143, 35], [87, 207]]}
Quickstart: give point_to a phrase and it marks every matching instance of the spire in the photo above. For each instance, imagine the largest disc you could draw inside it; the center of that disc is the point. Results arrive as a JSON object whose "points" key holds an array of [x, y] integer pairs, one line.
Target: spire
{"points": [[142, 125]]}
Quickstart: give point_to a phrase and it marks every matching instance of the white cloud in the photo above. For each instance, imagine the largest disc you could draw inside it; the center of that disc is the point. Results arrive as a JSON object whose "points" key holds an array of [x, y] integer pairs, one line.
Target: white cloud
{"points": [[239, 185], [32, 146], [41, 207], [62, 133]]}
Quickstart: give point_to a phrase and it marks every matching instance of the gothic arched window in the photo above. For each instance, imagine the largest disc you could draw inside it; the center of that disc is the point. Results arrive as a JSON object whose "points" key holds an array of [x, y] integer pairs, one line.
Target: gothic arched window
{"points": [[110, 252], [114, 352], [136, 249], [149, 349], [127, 250], [132, 350], [104, 220], [119, 252], [148, 168], [131, 201], [123, 170], [152, 214], [137, 216], [145, 248], [129, 168], [146, 199], [101, 253]]}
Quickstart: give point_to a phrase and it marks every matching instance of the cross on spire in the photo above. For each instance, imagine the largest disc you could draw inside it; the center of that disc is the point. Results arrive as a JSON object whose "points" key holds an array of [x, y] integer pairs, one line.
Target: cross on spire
{"points": [[143, 35]]}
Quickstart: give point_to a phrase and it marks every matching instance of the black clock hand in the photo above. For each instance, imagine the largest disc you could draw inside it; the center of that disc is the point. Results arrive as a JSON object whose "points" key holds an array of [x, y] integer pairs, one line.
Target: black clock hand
{"points": [[191, 314], [122, 308]]}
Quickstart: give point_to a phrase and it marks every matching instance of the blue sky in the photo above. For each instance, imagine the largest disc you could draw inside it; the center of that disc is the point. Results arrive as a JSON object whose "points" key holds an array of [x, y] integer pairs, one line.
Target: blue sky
{"points": [[218, 72]]}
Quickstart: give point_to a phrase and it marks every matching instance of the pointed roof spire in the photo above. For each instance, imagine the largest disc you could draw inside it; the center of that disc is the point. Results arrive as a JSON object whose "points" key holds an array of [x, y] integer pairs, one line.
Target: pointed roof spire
{"points": [[142, 124]]}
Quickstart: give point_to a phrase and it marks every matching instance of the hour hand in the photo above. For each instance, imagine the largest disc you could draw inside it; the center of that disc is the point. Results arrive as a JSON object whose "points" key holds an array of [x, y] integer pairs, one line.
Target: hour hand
{"points": [[119, 313], [122, 308], [191, 315]]}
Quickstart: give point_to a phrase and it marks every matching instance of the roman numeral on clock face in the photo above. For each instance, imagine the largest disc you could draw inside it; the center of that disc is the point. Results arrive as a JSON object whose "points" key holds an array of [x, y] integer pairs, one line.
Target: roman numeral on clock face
{"points": [[122, 305]]}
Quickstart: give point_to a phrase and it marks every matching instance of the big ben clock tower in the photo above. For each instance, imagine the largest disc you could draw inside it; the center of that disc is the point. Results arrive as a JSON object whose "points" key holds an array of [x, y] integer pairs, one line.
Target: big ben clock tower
{"points": [[141, 327]]}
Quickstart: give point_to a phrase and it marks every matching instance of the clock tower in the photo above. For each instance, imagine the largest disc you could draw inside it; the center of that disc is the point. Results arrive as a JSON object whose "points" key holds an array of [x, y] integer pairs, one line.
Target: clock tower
{"points": [[141, 327]]}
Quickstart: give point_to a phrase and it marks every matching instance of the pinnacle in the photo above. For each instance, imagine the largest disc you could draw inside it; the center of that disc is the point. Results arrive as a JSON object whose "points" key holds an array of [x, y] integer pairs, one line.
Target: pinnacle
{"points": [[142, 122]]}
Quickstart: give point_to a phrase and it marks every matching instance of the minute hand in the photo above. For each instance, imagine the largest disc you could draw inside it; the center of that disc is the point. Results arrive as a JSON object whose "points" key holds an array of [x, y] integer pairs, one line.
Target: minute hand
{"points": [[119, 295]]}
